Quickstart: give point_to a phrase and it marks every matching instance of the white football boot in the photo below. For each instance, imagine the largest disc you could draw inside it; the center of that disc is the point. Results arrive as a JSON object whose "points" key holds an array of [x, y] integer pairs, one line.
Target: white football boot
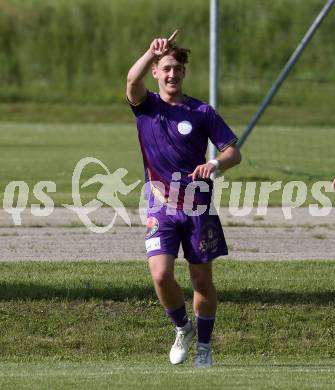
{"points": [[179, 350], [203, 357]]}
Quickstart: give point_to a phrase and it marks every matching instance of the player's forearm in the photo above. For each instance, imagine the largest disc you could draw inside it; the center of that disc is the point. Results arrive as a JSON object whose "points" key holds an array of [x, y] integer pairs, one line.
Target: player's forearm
{"points": [[225, 160], [229, 158], [141, 67]]}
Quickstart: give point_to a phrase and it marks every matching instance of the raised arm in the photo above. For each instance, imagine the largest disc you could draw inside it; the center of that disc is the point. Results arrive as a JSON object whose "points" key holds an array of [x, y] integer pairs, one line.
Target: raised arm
{"points": [[136, 90]]}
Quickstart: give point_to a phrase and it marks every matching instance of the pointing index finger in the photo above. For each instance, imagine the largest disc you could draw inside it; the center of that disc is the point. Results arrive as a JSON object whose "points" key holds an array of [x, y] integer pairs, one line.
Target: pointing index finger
{"points": [[173, 36]]}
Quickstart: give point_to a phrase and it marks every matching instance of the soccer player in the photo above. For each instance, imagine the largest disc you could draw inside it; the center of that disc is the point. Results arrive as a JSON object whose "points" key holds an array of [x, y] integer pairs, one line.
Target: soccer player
{"points": [[173, 131]]}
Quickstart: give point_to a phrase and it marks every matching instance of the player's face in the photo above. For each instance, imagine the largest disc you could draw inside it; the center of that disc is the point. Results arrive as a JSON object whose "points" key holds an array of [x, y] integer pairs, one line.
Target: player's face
{"points": [[170, 75]]}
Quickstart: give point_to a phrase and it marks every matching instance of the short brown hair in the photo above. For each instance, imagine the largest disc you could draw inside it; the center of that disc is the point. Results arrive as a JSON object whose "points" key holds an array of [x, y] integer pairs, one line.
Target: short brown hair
{"points": [[178, 53]]}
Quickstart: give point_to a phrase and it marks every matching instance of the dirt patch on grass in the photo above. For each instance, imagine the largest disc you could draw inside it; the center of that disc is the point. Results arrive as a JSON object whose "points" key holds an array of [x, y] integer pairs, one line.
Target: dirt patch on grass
{"points": [[61, 236]]}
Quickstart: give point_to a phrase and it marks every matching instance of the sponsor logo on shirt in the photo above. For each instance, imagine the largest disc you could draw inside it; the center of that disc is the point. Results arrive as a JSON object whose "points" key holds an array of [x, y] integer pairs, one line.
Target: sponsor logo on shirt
{"points": [[209, 240], [153, 243], [152, 226], [184, 127]]}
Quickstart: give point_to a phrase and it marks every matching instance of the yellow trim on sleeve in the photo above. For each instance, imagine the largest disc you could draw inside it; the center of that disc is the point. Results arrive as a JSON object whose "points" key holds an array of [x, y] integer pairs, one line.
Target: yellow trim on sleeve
{"points": [[230, 144], [137, 103]]}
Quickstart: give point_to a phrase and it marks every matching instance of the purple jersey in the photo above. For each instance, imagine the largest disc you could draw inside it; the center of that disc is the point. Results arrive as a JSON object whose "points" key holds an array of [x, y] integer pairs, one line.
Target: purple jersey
{"points": [[174, 138]]}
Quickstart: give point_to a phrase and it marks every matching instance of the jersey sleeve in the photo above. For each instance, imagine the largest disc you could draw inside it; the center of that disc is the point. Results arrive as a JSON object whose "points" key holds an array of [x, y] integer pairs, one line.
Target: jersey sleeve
{"points": [[144, 107], [219, 132]]}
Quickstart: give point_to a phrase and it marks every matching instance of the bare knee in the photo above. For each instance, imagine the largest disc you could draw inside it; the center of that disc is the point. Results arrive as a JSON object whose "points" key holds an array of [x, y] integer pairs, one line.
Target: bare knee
{"points": [[202, 285], [202, 280], [162, 278], [161, 269]]}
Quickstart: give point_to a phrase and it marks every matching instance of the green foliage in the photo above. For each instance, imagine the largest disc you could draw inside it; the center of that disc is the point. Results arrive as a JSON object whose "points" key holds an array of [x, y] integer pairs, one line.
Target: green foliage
{"points": [[56, 50]]}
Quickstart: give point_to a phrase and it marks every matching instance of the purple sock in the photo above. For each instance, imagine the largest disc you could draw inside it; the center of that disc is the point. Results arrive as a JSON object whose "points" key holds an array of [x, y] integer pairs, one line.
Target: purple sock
{"points": [[178, 316], [205, 327]]}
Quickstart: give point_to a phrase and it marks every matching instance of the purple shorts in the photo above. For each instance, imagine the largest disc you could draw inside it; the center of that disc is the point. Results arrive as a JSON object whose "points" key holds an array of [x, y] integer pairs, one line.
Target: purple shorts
{"points": [[201, 236]]}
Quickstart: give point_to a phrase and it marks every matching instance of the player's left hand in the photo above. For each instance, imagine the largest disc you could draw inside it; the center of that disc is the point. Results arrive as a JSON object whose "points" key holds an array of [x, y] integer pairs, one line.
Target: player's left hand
{"points": [[203, 171]]}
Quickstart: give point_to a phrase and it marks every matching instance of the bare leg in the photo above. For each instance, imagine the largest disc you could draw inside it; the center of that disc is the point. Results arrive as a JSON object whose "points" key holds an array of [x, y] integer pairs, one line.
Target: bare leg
{"points": [[167, 289], [204, 299]]}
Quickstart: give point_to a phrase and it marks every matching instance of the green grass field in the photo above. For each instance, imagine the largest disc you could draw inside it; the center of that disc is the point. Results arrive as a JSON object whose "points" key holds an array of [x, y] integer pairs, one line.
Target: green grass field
{"points": [[152, 375], [99, 325], [49, 151]]}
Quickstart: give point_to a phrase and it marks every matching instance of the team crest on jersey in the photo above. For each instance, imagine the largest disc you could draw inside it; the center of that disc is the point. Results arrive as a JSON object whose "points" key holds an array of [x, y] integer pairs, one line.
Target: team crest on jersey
{"points": [[184, 127], [152, 226]]}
